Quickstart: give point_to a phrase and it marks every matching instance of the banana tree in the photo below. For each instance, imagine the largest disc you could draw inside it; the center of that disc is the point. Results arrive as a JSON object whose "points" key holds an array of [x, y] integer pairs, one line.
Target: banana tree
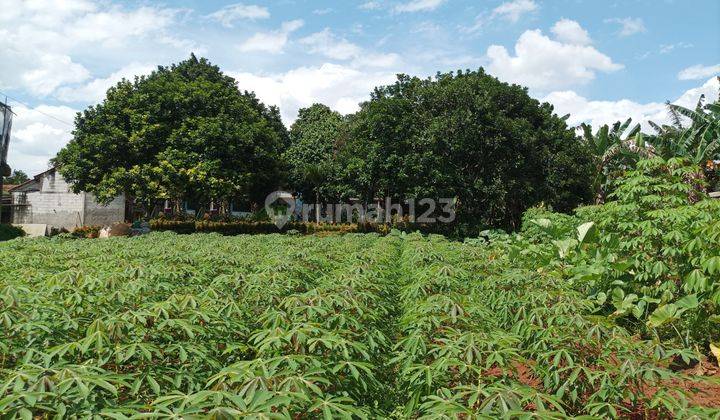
{"points": [[614, 151], [698, 141]]}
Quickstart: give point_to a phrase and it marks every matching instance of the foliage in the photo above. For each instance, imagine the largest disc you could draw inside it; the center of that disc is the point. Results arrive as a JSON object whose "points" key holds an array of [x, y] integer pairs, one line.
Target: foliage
{"points": [[17, 177], [247, 227], [182, 132], [8, 232], [86, 231], [651, 256], [314, 140], [469, 136], [351, 326], [612, 153], [699, 141]]}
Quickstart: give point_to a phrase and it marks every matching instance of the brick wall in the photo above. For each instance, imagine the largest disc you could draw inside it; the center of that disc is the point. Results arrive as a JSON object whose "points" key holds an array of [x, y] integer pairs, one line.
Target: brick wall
{"points": [[100, 215], [57, 206]]}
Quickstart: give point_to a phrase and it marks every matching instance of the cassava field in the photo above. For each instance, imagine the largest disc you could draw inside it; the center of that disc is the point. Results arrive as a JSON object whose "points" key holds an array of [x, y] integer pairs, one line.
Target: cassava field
{"points": [[273, 326]]}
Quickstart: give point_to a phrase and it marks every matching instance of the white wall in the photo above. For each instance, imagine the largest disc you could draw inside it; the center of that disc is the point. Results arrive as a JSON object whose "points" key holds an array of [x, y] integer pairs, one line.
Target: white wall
{"points": [[104, 215], [57, 206]]}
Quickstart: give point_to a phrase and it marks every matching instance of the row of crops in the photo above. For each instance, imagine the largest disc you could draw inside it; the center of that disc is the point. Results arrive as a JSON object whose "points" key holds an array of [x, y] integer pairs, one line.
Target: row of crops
{"points": [[353, 326]]}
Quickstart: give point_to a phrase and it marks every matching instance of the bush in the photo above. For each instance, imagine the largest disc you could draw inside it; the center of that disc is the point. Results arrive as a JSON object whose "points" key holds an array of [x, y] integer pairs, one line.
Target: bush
{"points": [[247, 227], [540, 224], [8, 232], [650, 258], [86, 232], [177, 226]]}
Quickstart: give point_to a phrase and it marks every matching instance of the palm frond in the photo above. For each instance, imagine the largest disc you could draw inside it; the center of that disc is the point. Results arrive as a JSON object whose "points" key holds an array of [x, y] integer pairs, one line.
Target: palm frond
{"points": [[674, 116], [656, 127]]}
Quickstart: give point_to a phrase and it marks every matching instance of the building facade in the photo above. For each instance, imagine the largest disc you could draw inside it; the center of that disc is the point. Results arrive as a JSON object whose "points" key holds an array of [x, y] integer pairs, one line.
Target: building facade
{"points": [[48, 199]]}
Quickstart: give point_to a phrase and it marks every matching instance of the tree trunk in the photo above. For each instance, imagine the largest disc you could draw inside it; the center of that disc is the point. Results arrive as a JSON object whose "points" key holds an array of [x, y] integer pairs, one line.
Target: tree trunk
{"points": [[317, 207], [697, 181]]}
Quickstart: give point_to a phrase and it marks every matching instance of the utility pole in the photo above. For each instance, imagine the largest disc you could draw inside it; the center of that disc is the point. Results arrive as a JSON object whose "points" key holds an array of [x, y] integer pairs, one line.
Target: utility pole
{"points": [[5, 125]]}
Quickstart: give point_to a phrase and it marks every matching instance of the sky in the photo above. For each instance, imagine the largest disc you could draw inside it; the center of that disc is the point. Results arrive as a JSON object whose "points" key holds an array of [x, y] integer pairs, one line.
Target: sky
{"points": [[599, 61]]}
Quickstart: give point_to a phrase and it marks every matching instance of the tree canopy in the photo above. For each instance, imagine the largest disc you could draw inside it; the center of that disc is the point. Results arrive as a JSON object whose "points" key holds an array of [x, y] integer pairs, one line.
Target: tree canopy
{"points": [[187, 132], [468, 136], [183, 132], [315, 138], [17, 177]]}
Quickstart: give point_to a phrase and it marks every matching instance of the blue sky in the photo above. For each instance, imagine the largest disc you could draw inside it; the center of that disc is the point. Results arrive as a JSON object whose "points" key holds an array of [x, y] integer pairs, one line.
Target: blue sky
{"points": [[597, 60]]}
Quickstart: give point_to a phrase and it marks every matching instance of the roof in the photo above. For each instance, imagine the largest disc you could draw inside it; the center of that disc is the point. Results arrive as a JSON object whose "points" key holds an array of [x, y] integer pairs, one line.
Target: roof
{"points": [[8, 187], [36, 178]]}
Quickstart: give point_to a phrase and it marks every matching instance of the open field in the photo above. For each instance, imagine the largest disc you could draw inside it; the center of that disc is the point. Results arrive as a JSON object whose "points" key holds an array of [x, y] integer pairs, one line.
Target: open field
{"points": [[304, 327]]}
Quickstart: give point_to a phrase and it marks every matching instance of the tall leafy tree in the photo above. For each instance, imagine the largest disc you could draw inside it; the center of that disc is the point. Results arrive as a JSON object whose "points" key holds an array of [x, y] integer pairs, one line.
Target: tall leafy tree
{"points": [[182, 132], [466, 136], [17, 177], [315, 139]]}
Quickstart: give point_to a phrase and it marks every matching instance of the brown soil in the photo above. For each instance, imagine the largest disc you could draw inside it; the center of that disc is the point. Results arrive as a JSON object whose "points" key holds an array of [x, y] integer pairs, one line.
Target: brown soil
{"points": [[702, 386], [521, 372]]}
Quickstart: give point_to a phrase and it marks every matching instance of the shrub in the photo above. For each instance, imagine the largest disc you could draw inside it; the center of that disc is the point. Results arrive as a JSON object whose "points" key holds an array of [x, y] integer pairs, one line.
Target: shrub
{"points": [[8, 232], [650, 258], [86, 231]]}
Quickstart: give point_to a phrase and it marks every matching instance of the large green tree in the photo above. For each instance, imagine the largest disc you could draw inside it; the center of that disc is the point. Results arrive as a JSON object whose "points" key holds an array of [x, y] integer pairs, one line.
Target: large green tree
{"points": [[315, 138], [184, 132], [467, 136], [17, 177]]}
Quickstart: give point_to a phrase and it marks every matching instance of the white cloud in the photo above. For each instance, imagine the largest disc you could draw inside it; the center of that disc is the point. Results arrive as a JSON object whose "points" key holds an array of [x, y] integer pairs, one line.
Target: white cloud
{"points": [[370, 5], [711, 89], [510, 11], [513, 10], [628, 26], [667, 48], [598, 113], [42, 42], [272, 42], [53, 71], [321, 12], [94, 91], [545, 64], [229, 14], [115, 26], [699, 71], [43, 13], [418, 6], [570, 32], [37, 137], [329, 45], [340, 87]]}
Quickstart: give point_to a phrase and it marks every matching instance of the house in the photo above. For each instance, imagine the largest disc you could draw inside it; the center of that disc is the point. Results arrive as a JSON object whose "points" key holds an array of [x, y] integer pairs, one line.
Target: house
{"points": [[48, 199], [6, 204]]}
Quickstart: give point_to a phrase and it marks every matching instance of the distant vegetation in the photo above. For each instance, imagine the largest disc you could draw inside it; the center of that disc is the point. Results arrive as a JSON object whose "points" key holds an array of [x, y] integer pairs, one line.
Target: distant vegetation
{"points": [[186, 133], [17, 177]]}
